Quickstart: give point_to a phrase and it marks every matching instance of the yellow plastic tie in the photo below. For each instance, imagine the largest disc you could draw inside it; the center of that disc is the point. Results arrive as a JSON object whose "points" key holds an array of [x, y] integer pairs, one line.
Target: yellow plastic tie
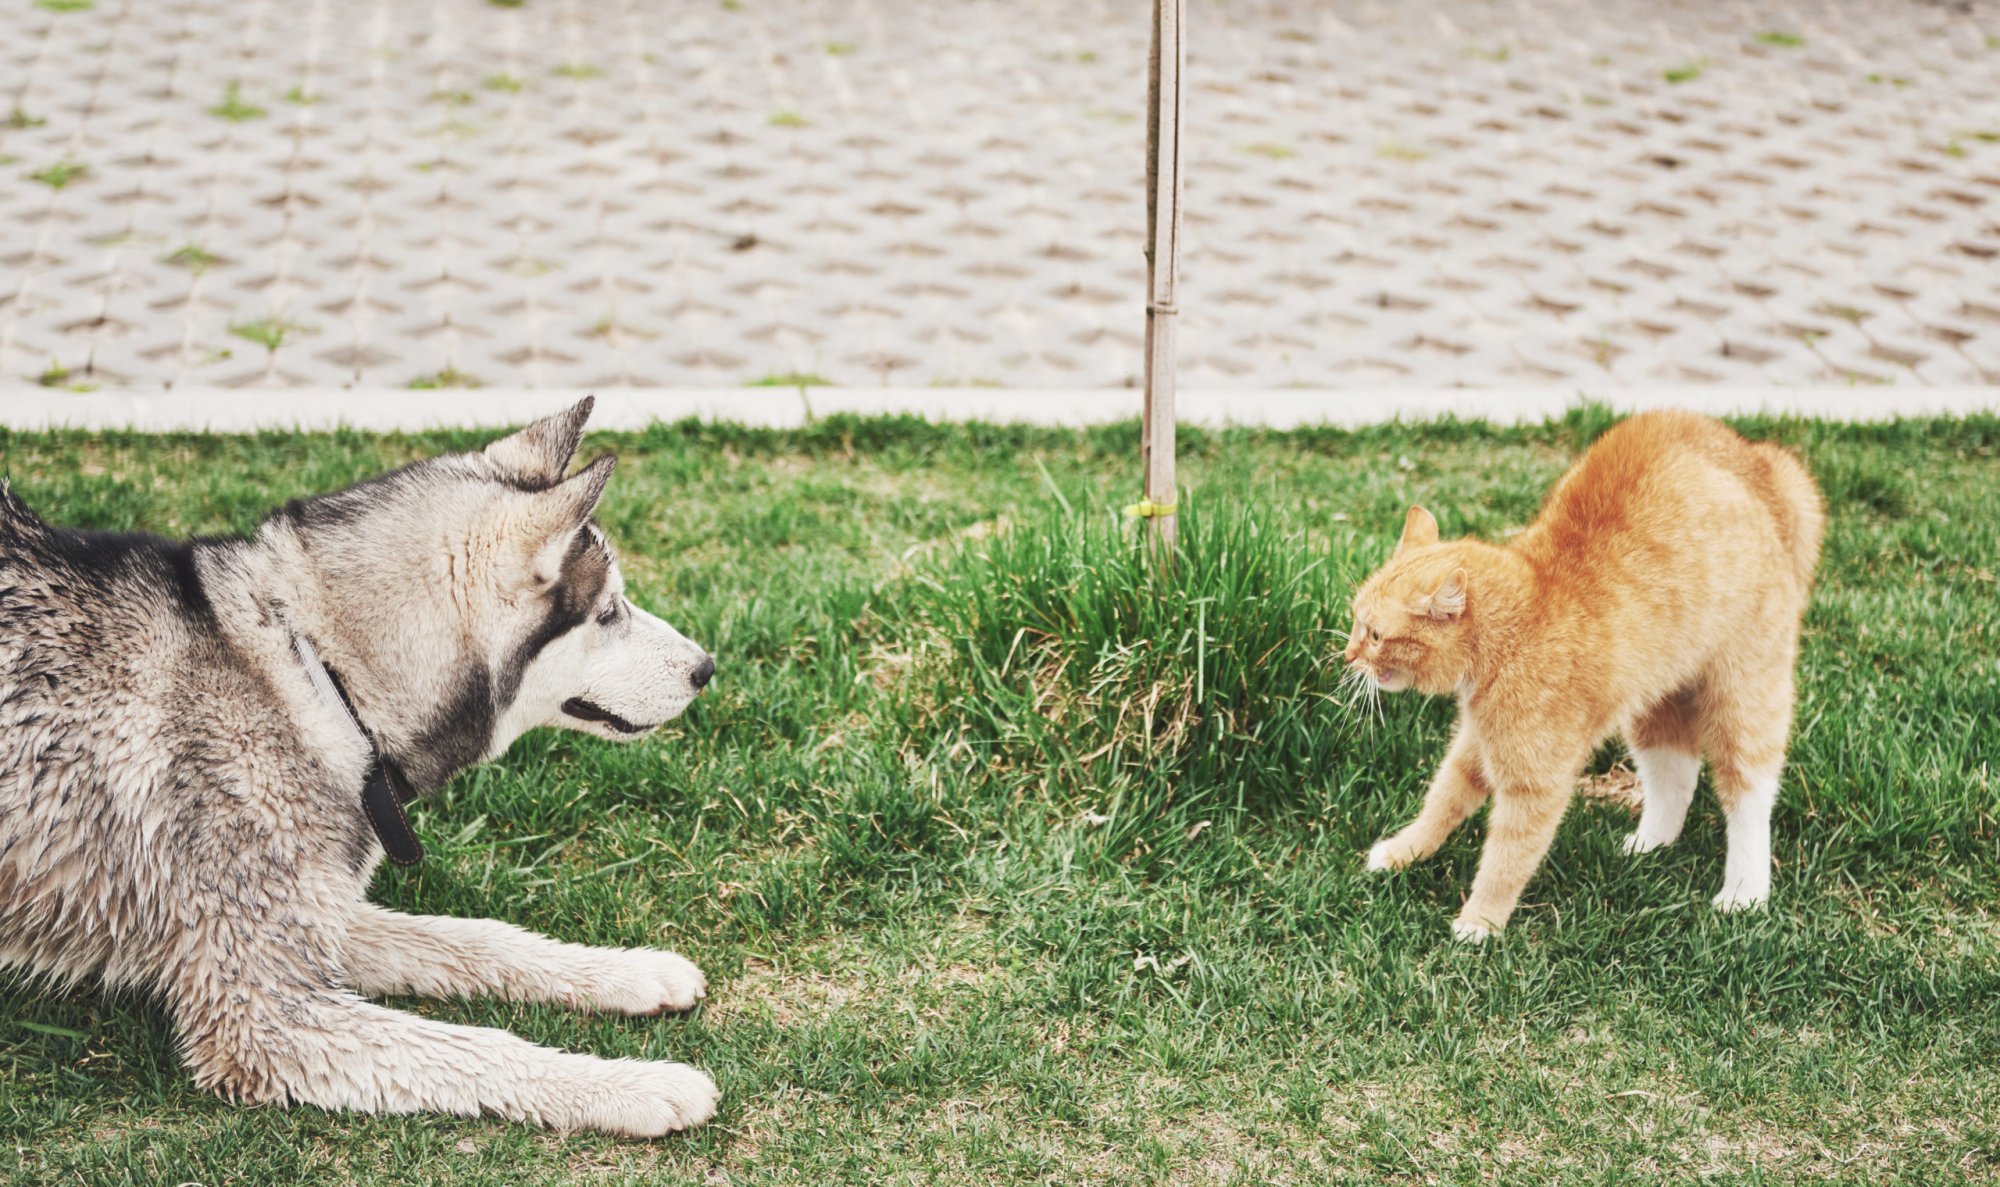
{"points": [[1147, 509]]}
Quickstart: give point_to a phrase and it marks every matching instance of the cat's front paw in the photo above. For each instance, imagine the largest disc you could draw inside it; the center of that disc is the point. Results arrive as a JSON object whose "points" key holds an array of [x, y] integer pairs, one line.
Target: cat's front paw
{"points": [[1390, 853], [1478, 921], [1468, 931], [644, 981]]}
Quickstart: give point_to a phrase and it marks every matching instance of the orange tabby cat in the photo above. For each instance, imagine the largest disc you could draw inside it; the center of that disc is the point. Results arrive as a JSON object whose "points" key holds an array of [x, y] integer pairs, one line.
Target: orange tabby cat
{"points": [[1658, 594]]}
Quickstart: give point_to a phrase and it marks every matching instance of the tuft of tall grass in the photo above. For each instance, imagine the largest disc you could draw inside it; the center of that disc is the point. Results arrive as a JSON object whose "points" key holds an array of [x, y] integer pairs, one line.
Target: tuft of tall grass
{"points": [[1140, 697]]}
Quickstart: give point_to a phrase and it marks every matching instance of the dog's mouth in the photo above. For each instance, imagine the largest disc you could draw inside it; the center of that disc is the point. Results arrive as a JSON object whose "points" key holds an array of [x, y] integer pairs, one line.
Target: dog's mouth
{"points": [[584, 710]]}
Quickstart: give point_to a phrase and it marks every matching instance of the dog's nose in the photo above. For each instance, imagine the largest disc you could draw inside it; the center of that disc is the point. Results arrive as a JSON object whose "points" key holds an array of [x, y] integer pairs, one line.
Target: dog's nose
{"points": [[700, 676]]}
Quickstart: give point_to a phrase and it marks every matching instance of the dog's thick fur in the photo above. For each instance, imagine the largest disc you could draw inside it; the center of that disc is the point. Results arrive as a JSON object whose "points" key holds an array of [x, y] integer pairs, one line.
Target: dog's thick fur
{"points": [[180, 811]]}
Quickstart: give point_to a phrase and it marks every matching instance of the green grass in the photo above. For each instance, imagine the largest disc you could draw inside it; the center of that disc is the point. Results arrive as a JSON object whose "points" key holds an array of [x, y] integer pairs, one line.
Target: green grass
{"points": [[193, 257], [791, 379], [235, 108], [59, 376], [267, 332], [1014, 861], [447, 378], [60, 174]]}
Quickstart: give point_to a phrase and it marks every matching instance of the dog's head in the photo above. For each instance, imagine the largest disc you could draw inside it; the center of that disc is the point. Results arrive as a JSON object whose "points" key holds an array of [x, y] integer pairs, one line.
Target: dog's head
{"points": [[467, 599]]}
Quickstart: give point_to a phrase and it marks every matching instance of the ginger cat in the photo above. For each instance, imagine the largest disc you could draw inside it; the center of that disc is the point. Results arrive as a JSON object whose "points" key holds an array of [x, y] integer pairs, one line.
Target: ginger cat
{"points": [[1658, 594]]}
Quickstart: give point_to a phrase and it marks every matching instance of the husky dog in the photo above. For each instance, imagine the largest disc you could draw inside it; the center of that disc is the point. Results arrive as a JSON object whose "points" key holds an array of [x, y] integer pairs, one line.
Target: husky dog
{"points": [[204, 748]]}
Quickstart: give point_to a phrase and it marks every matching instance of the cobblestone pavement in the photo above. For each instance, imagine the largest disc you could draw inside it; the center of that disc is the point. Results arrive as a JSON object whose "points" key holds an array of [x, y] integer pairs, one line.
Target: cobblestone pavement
{"points": [[686, 193]]}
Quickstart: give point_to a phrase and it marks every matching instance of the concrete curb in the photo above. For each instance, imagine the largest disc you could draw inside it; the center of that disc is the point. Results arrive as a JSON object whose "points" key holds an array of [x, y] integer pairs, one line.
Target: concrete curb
{"points": [[380, 410]]}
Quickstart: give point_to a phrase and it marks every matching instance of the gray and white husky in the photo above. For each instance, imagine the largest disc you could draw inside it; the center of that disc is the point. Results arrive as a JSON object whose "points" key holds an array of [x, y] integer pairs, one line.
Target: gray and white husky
{"points": [[204, 748]]}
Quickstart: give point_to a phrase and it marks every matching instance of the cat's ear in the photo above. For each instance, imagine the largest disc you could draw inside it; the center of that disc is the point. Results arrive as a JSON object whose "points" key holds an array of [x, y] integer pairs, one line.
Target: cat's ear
{"points": [[1419, 529], [1448, 602]]}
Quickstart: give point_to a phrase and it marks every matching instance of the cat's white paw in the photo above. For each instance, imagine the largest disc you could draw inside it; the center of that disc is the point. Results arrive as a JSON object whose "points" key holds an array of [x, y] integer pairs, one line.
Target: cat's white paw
{"points": [[637, 1099], [1389, 854], [1641, 841], [642, 981], [1741, 897], [1468, 932]]}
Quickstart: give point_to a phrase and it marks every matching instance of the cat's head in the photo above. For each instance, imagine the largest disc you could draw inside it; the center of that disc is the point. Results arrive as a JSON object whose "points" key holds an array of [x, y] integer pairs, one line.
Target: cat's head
{"points": [[1411, 629]]}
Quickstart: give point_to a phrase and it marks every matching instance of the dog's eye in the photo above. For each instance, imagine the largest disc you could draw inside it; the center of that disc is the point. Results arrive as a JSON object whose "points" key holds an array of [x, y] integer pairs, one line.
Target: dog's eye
{"points": [[1374, 635], [609, 615]]}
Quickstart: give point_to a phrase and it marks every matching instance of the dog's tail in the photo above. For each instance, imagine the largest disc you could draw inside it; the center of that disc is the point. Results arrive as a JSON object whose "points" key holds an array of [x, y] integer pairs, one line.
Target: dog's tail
{"points": [[1800, 510]]}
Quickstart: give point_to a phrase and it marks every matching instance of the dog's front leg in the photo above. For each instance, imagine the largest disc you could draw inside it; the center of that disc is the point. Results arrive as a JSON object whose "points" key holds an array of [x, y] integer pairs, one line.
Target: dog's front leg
{"points": [[437, 956], [262, 1017], [282, 1042]]}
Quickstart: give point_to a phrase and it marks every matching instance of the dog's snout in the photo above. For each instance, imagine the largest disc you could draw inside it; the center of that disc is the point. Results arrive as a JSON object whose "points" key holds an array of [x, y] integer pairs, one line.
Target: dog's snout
{"points": [[702, 672]]}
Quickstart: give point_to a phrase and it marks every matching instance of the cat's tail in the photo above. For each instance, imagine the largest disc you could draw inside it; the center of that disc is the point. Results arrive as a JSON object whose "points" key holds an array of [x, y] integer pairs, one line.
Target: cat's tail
{"points": [[1800, 510]]}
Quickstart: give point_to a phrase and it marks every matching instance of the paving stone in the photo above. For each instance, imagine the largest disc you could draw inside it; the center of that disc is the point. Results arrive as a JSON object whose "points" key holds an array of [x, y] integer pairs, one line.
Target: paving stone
{"points": [[624, 193]]}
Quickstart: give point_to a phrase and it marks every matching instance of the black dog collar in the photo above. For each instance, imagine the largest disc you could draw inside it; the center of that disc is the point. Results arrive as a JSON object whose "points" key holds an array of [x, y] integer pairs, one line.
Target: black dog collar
{"points": [[384, 791]]}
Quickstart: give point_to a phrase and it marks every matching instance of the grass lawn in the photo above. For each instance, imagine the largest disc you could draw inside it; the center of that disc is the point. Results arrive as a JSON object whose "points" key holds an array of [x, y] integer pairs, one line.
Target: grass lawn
{"points": [[1009, 864]]}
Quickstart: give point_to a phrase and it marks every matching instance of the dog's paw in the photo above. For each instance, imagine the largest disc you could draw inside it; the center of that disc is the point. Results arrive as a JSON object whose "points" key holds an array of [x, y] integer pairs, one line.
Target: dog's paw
{"points": [[1389, 853], [636, 1099], [643, 981]]}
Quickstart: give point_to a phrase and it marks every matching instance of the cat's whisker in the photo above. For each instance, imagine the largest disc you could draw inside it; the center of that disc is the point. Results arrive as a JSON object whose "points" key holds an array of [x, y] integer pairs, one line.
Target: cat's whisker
{"points": [[1363, 695]]}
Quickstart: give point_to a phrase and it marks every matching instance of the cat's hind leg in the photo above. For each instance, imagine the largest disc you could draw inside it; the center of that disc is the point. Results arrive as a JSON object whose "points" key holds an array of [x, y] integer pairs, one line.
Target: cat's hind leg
{"points": [[1666, 751], [1746, 713], [1456, 793]]}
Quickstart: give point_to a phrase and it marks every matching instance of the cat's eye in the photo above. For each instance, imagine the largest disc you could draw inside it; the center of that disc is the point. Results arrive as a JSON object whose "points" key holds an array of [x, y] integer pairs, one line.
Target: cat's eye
{"points": [[1374, 635]]}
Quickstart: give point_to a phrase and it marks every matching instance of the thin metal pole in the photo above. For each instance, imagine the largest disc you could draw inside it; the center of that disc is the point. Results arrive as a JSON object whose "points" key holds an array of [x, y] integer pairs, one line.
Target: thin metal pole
{"points": [[1163, 233]]}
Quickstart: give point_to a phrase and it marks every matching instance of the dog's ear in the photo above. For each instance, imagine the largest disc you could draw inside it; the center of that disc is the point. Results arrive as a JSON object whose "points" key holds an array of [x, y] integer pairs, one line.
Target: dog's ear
{"points": [[560, 512], [540, 454]]}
